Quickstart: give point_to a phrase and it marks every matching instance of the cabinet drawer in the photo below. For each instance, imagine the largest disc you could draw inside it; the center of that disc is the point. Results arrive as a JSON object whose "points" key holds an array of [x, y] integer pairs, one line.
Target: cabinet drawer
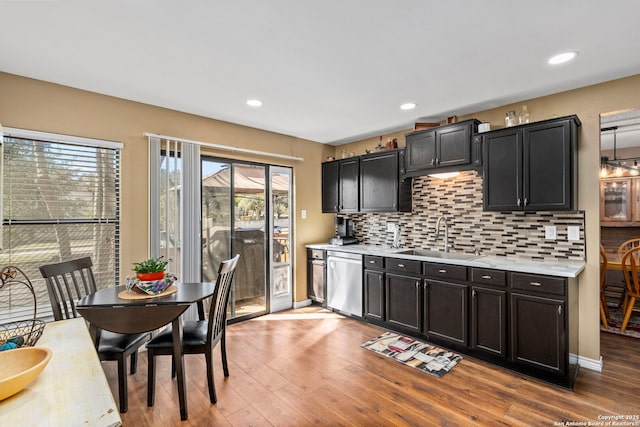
{"points": [[316, 254], [532, 282], [445, 271], [373, 262], [488, 276], [404, 265]]}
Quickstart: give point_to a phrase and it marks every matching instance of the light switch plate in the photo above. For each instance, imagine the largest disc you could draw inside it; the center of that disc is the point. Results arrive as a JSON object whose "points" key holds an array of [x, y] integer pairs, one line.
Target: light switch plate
{"points": [[550, 232], [390, 227], [573, 232], [303, 214]]}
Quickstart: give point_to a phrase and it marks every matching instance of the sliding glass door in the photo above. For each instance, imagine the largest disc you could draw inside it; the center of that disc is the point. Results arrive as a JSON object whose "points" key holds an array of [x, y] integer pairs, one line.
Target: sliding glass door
{"points": [[237, 204]]}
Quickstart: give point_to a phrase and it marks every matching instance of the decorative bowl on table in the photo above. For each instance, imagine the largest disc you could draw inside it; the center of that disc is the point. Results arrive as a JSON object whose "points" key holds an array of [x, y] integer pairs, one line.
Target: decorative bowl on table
{"points": [[150, 287], [19, 367]]}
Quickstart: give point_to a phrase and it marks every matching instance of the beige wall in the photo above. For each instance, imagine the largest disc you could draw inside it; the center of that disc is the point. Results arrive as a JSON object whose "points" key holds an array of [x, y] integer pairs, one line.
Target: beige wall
{"points": [[37, 105], [587, 103]]}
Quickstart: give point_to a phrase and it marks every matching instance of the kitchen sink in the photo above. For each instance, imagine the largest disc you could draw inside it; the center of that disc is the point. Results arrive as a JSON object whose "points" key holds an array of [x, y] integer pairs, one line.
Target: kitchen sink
{"points": [[437, 254]]}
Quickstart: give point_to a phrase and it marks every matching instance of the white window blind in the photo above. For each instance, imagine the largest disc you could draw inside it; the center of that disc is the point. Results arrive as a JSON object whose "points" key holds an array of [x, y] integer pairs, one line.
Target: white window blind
{"points": [[61, 202]]}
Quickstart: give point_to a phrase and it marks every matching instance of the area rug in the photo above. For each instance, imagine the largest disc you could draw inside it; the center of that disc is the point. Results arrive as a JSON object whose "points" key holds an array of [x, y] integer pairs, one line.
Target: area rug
{"points": [[417, 354], [615, 321]]}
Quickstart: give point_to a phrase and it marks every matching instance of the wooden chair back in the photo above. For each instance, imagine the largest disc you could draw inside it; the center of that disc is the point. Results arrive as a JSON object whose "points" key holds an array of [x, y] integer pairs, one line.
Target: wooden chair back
{"points": [[218, 309], [603, 267], [66, 283], [629, 244], [630, 269]]}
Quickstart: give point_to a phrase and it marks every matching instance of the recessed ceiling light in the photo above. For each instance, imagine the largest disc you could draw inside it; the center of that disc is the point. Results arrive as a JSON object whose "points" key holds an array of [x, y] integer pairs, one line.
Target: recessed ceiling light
{"points": [[254, 103], [408, 106], [561, 58]]}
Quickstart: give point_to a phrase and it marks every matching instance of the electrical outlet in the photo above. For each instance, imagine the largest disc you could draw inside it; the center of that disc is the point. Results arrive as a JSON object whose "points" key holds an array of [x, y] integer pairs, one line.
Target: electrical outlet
{"points": [[391, 227], [550, 232], [573, 232]]}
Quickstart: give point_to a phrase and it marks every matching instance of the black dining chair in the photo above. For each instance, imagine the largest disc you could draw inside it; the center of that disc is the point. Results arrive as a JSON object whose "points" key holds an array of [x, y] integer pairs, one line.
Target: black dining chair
{"points": [[198, 336], [71, 280]]}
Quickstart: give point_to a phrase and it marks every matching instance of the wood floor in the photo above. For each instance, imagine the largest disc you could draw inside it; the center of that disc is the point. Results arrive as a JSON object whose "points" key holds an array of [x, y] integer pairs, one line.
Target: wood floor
{"points": [[305, 367]]}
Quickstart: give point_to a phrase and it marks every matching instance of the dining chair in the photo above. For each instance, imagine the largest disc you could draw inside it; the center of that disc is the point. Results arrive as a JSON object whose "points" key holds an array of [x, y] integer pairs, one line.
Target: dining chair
{"points": [[623, 249], [71, 280], [630, 269], [198, 336], [604, 310]]}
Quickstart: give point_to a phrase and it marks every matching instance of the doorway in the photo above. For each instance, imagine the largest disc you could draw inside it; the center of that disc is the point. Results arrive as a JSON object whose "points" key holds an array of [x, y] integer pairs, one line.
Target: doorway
{"points": [[619, 196], [239, 202]]}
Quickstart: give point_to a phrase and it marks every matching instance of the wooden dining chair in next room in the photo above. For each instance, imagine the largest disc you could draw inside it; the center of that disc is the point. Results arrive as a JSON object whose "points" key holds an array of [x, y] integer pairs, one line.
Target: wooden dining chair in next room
{"points": [[622, 249], [604, 310], [198, 336], [71, 280], [630, 269]]}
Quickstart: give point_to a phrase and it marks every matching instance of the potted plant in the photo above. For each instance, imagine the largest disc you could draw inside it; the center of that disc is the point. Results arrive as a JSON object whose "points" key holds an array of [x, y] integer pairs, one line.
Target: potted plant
{"points": [[150, 269]]}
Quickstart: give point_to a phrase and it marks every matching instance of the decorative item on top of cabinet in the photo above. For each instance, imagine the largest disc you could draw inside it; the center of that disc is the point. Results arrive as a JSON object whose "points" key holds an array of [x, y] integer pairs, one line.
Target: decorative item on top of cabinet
{"points": [[445, 147], [531, 167]]}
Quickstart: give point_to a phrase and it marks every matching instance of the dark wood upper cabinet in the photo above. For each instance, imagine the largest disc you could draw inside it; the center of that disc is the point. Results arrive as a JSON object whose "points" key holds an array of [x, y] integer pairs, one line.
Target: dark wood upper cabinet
{"points": [[441, 147], [531, 167], [340, 184], [381, 189], [369, 183]]}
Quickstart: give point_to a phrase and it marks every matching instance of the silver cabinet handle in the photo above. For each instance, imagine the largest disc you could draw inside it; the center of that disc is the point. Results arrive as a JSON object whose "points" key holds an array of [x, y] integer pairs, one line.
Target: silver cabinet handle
{"points": [[442, 270], [371, 262], [535, 284], [519, 202], [473, 293], [487, 277], [559, 310], [417, 285], [401, 265]]}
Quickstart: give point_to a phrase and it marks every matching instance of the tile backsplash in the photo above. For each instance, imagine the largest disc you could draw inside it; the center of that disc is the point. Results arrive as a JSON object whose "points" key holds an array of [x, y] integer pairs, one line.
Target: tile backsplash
{"points": [[459, 200]]}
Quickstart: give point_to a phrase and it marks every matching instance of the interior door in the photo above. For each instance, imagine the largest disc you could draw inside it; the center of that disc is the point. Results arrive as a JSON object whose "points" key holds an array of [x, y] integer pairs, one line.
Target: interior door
{"points": [[280, 228]]}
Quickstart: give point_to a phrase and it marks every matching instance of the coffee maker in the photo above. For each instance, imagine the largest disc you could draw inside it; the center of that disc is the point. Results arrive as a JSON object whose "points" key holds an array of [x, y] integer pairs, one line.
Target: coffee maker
{"points": [[344, 228]]}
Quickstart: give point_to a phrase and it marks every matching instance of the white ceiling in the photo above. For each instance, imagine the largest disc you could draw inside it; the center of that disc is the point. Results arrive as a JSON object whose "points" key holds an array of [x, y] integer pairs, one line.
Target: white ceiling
{"points": [[331, 71]]}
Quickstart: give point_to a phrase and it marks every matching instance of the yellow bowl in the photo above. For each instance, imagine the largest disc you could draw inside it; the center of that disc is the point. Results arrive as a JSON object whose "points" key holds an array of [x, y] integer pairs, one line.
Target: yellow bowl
{"points": [[19, 367]]}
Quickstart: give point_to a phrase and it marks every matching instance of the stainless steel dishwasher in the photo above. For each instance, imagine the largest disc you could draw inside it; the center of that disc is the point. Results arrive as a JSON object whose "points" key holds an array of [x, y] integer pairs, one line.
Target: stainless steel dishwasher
{"points": [[344, 282]]}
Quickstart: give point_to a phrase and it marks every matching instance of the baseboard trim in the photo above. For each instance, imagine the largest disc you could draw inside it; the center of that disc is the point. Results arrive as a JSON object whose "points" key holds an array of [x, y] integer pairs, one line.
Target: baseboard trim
{"points": [[300, 304], [591, 364]]}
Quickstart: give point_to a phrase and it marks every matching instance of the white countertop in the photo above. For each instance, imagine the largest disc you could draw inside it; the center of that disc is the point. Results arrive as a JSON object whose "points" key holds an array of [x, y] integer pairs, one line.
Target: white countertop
{"points": [[72, 390], [561, 268]]}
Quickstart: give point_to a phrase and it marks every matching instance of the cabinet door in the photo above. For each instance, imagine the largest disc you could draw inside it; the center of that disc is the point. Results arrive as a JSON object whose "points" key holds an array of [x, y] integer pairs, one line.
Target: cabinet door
{"points": [[316, 280], [379, 183], [502, 180], [349, 184], [489, 320], [453, 146], [373, 295], [330, 187], [615, 200], [445, 311], [547, 172], [538, 336], [402, 300], [420, 152]]}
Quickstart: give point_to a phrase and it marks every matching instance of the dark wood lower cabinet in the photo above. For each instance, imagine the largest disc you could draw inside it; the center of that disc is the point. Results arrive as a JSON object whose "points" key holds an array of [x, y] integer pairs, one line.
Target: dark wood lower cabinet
{"points": [[374, 295], [516, 320], [445, 311], [403, 306], [538, 336], [489, 321], [316, 275]]}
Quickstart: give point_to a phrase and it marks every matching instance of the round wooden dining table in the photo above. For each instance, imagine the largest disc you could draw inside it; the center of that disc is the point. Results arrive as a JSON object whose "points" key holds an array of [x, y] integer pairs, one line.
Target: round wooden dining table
{"points": [[104, 309]]}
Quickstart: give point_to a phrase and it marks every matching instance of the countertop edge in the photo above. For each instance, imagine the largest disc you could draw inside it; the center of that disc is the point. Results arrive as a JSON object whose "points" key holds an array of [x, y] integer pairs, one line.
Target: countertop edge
{"points": [[568, 268]]}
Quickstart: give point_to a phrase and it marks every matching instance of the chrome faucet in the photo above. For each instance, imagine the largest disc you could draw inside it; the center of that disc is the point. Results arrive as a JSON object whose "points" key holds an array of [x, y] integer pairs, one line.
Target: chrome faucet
{"points": [[396, 236], [446, 232]]}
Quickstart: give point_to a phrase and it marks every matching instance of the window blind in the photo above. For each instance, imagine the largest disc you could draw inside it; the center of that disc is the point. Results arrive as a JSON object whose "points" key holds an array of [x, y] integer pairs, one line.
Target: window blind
{"points": [[61, 202]]}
